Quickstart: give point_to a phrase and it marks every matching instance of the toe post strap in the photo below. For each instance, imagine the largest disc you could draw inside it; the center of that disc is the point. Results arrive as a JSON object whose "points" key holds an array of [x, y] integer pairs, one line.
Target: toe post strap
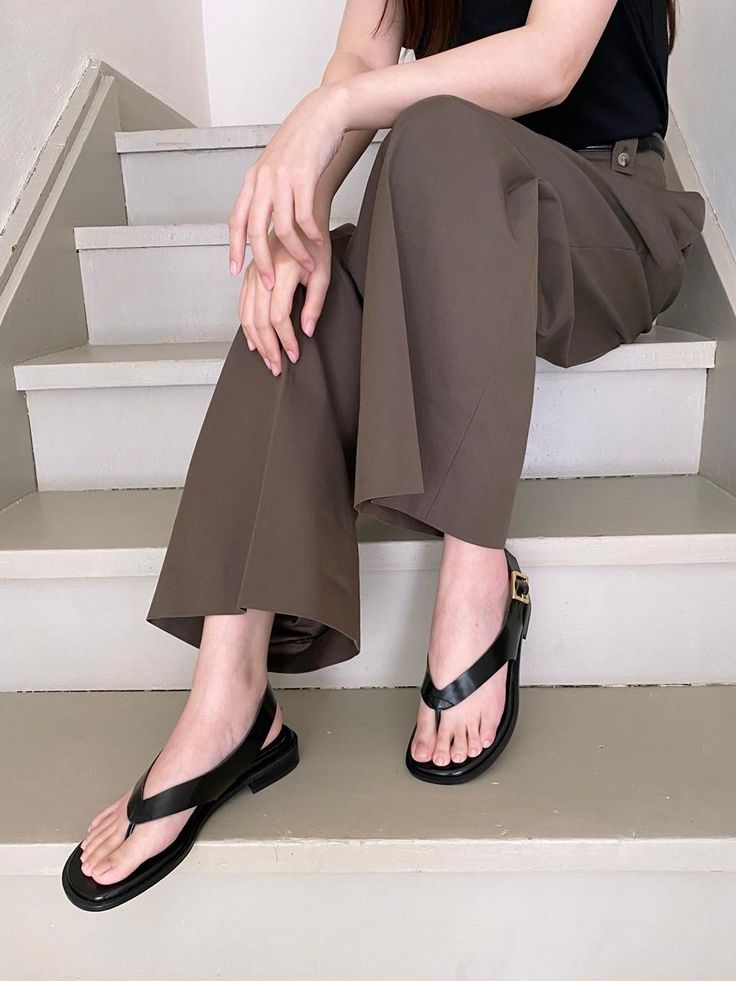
{"points": [[503, 649], [208, 786]]}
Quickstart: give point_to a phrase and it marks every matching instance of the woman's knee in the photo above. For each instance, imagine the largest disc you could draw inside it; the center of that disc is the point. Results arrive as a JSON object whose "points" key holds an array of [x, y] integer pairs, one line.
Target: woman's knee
{"points": [[450, 127], [431, 113]]}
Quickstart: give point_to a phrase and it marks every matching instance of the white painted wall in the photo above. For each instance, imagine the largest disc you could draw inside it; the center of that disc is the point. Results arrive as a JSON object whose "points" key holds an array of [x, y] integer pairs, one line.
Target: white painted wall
{"points": [[701, 72], [45, 45], [262, 58]]}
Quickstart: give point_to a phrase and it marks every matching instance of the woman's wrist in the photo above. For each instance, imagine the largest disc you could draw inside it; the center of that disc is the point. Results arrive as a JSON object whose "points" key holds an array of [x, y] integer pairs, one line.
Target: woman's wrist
{"points": [[356, 101], [338, 102]]}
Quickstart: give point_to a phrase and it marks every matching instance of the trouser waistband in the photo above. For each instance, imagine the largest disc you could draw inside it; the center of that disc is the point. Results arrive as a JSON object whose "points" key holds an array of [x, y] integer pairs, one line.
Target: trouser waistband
{"points": [[623, 152]]}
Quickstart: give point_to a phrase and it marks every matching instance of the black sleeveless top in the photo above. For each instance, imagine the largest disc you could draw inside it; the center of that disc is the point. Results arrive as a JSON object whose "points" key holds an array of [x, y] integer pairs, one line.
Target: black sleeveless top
{"points": [[622, 91]]}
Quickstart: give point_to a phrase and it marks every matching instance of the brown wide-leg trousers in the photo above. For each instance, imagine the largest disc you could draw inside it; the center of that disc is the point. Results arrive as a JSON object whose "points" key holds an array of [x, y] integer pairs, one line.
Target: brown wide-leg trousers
{"points": [[479, 244]]}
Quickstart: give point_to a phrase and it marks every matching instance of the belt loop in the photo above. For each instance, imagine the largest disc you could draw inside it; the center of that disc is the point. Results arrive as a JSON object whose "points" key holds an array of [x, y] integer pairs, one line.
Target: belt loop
{"points": [[623, 155]]}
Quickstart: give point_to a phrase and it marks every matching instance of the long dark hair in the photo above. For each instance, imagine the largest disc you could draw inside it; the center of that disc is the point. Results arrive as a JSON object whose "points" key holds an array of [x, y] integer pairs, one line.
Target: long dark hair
{"points": [[430, 27]]}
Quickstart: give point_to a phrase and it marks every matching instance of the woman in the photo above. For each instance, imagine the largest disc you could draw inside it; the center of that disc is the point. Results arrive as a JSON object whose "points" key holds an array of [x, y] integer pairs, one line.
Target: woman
{"points": [[517, 206]]}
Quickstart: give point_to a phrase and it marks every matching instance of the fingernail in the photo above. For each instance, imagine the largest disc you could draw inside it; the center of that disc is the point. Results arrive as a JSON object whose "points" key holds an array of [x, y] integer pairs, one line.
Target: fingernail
{"points": [[250, 344], [267, 281], [268, 364], [233, 268], [275, 370], [309, 328], [292, 356], [309, 266]]}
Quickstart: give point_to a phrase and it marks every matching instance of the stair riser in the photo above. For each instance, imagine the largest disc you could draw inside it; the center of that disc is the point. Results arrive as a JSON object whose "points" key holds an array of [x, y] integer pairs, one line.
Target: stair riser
{"points": [[583, 424], [591, 625], [597, 925], [167, 294], [201, 185]]}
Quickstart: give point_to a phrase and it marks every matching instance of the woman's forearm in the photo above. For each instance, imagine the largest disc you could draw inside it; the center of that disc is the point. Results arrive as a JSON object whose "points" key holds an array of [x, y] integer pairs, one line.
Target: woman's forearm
{"points": [[342, 67], [513, 73]]}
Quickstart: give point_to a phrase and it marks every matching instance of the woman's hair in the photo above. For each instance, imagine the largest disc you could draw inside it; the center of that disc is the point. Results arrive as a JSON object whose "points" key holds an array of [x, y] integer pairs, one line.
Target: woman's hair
{"points": [[431, 27]]}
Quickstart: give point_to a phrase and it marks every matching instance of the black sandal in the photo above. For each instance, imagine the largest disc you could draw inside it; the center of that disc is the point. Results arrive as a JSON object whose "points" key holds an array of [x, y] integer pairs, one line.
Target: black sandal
{"points": [[248, 766], [506, 648]]}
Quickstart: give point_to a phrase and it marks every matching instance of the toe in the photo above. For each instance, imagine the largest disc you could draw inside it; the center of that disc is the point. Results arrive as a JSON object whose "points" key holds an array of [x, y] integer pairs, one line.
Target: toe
{"points": [[100, 832], [424, 740], [488, 725], [474, 740], [103, 816], [441, 755], [459, 751], [117, 865], [93, 859]]}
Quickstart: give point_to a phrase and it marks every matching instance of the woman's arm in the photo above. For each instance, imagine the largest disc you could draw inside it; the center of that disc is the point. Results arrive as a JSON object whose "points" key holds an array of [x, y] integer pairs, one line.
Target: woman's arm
{"points": [[512, 73], [515, 72], [359, 49]]}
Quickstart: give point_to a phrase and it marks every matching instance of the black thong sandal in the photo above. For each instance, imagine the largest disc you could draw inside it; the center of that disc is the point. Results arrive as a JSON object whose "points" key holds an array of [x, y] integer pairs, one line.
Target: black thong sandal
{"points": [[506, 648], [249, 766]]}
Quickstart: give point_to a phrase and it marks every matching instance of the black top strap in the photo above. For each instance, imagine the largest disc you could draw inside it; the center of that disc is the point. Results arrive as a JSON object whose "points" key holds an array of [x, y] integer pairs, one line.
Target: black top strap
{"points": [[503, 649], [210, 785]]}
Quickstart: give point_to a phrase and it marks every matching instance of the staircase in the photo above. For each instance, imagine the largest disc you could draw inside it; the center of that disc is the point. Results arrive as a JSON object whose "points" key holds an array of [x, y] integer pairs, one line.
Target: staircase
{"points": [[588, 852]]}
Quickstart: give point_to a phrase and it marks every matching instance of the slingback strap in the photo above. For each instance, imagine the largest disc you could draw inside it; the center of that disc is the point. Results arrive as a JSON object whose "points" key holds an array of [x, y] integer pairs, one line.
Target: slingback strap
{"points": [[503, 649], [210, 785]]}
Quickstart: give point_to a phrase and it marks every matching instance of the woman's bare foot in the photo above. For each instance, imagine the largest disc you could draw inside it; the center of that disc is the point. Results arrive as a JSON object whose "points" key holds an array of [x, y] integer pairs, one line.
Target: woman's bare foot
{"points": [[473, 595], [229, 680]]}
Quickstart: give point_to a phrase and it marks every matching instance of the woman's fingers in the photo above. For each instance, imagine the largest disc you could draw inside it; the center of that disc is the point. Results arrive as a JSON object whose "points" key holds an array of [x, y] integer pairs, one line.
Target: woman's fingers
{"points": [[282, 299], [317, 285], [304, 191], [259, 219], [237, 225], [266, 338], [283, 225], [247, 307]]}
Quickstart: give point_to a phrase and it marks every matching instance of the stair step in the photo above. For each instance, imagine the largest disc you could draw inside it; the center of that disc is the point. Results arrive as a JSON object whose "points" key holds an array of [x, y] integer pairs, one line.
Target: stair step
{"points": [[193, 175], [625, 574], [159, 283], [586, 420], [594, 783]]}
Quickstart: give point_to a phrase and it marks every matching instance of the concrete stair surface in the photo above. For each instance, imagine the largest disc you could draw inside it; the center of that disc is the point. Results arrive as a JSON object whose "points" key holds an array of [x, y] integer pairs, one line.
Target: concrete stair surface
{"points": [[607, 823], [623, 570], [586, 420]]}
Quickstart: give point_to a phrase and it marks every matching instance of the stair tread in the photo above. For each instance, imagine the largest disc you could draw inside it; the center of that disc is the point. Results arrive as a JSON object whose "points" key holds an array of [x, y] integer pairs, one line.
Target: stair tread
{"points": [[201, 138], [594, 778], [167, 235], [579, 521], [199, 362]]}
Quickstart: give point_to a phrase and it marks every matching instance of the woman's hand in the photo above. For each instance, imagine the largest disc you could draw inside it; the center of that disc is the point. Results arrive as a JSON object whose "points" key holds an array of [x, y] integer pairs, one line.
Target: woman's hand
{"points": [[265, 314], [282, 183]]}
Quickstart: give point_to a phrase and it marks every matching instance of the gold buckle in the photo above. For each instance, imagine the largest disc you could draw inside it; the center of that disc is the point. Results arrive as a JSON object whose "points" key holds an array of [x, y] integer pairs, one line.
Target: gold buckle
{"points": [[517, 577]]}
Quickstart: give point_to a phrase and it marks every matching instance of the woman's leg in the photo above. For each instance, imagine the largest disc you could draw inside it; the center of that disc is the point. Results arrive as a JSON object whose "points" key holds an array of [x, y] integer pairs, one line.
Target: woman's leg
{"points": [[228, 683]]}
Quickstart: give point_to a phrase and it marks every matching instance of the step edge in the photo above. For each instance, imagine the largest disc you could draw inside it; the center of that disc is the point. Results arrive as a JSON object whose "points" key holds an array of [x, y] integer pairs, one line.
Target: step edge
{"points": [[397, 556], [94, 238], [433, 855], [194, 139], [686, 354]]}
